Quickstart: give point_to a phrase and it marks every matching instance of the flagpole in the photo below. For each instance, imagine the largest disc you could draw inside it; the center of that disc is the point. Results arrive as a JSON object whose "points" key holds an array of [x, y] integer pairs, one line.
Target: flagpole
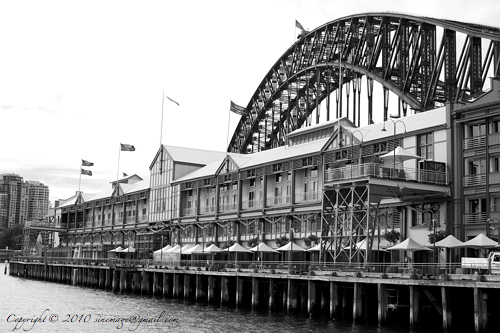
{"points": [[161, 131], [80, 180], [161, 125], [118, 168], [228, 122]]}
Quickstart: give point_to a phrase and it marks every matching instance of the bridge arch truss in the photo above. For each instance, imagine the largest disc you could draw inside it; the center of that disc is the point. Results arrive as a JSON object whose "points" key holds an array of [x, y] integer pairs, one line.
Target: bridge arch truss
{"points": [[425, 62]]}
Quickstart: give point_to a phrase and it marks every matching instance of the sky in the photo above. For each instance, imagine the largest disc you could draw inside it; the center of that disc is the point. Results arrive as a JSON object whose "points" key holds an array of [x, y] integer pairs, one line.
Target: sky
{"points": [[77, 78]]}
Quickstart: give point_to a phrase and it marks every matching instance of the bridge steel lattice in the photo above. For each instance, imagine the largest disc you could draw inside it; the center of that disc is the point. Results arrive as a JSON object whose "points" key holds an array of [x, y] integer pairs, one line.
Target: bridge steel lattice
{"points": [[416, 58]]}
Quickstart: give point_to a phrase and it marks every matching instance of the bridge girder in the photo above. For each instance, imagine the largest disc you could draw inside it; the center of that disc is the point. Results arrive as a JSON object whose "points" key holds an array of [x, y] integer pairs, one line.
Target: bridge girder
{"points": [[400, 52]]}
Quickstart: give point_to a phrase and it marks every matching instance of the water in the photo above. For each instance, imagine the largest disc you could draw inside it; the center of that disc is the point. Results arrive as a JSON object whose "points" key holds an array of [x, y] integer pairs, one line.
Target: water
{"points": [[79, 309]]}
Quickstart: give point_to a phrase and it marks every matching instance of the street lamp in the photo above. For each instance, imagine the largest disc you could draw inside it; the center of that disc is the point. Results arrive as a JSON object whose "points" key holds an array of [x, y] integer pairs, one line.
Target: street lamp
{"points": [[433, 221], [258, 242], [490, 222], [352, 139], [394, 141], [161, 249]]}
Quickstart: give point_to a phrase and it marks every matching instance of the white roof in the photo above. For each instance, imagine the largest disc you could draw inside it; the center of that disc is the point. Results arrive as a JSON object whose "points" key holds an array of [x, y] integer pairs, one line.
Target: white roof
{"points": [[372, 132], [194, 156]]}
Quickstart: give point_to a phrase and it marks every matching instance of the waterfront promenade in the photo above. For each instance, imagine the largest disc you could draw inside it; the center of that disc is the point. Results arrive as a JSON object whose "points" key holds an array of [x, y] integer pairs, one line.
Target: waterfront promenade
{"points": [[348, 293]]}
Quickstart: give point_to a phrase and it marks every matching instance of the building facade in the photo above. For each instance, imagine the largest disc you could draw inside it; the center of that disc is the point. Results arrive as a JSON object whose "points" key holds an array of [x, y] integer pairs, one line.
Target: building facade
{"points": [[21, 201]]}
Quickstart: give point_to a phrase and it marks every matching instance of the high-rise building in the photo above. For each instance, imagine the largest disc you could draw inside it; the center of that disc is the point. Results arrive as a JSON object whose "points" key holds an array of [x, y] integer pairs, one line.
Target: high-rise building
{"points": [[21, 201]]}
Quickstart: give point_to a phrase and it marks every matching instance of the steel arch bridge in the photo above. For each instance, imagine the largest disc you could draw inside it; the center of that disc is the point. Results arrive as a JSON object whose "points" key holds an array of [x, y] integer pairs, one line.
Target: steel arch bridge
{"points": [[419, 59]]}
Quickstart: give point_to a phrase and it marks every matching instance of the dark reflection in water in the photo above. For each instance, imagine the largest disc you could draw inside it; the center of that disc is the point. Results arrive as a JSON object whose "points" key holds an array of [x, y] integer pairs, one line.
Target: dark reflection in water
{"points": [[25, 298]]}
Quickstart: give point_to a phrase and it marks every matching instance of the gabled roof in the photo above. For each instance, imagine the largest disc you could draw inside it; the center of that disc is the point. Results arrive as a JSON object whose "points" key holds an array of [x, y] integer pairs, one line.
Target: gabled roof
{"points": [[190, 155], [260, 158], [124, 189], [74, 199], [417, 122]]}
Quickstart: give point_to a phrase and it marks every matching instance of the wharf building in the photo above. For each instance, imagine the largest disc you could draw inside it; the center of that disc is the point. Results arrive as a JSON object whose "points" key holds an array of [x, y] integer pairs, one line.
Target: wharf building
{"points": [[283, 176]]}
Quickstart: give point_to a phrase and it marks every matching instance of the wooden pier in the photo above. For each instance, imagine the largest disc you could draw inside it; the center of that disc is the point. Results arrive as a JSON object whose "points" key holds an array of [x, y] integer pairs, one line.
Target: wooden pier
{"points": [[455, 301]]}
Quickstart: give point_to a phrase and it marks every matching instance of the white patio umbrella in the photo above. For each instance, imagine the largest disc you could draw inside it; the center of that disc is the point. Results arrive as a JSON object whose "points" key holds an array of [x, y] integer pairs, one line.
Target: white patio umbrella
{"points": [[399, 155], [291, 247], [173, 249], [449, 242], [212, 249], [376, 246], [237, 248], [262, 247], [118, 249], [479, 242], [316, 247], [409, 245], [129, 249], [195, 248]]}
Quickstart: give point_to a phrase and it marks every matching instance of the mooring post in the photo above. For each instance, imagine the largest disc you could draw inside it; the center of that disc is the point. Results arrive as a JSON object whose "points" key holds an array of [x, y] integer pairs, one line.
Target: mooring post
{"points": [[210, 297], [445, 303], [255, 293], [382, 304], [224, 290], [334, 299], [271, 295], [311, 297], [292, 296], [480, 310], [414, 307], [357, 306], [239, 291]]}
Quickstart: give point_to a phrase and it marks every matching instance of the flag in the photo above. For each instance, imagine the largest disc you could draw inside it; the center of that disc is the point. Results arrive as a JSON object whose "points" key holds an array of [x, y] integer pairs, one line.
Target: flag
{"points": [[171, 100], [298, 25], [87, 163], [238, 109], [86, 172], [125, 147], [125, 175]]}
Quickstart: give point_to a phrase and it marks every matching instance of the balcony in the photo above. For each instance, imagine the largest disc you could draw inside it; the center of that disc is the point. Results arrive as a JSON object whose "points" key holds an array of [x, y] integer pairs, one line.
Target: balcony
{"points": [[251, 204], [480, 179], [189, 211], [307, 197], [481, 217], [475, 142], [228, 207], [387, 172], [278, 201], [207, 209]]}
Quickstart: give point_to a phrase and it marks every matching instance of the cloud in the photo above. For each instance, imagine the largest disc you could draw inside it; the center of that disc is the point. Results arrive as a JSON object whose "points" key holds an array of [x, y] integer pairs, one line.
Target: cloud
{"points": [[5, 106]]}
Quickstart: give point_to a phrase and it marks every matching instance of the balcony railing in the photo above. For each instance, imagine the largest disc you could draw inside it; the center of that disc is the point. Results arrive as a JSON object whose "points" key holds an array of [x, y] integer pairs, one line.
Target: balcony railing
{"points": [[387, 172], [228, 207], [188, 211], [480, 179], [475, 142], [207, 209], [475, 180], [307, 197], [278, 200], [249, 204], [481, 217]]}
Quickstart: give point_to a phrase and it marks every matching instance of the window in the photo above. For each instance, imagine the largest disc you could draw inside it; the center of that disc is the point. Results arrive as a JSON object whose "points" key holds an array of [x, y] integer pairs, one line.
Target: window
{"points": [[144, 211], [307, 161], [235, 186], [252, 182], [426, 146], [251, 198], [278, 167], [289, 176], [314, 171], [278, 178]]}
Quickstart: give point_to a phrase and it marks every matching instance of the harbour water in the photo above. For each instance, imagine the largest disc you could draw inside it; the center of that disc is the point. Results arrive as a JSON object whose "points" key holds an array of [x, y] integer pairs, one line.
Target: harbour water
{"points": [[66, 308]]}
